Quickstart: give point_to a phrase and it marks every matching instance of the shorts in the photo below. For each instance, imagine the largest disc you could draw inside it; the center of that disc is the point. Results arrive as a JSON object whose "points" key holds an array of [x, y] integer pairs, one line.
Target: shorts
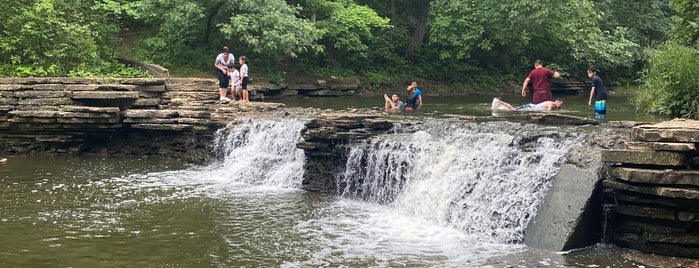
{"points": [[223, 80], [526, 107], [245, 83], [600, 107]]}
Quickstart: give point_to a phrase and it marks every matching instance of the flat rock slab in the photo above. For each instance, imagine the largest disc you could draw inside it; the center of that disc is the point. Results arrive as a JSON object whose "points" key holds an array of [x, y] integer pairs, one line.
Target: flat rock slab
{"points": [[661, 158], [653, 190], [160, 127], [653, 176], [677, 130], [98, 87], [660, 146], [546, 118], [105, 95]]}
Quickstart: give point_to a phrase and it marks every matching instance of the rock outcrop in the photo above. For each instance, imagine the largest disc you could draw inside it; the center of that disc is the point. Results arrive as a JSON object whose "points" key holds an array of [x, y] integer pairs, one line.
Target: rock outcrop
{"points": [[652, 190], [130, 116], [326, 144]]}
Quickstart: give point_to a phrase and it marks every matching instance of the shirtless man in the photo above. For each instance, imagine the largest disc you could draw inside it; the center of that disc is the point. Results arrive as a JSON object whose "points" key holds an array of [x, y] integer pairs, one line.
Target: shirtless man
{"points": [[544, 106]]}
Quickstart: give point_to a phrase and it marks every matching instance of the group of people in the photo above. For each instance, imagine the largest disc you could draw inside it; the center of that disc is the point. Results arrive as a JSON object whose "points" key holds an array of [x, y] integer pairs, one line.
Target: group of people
{"points": [[229, 76], [413, 101], [540, 78], [542, 99]]}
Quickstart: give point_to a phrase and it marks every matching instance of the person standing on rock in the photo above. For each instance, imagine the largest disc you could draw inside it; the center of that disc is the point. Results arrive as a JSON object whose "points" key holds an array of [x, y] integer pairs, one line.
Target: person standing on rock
{"points": [[244, 76], [221, 64], [541, 83], [598, 92]]}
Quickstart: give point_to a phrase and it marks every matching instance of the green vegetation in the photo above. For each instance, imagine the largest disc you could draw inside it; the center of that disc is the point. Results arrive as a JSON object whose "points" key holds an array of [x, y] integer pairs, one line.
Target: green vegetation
{"points": [[671, 83], [471, 43], [671, 74]]}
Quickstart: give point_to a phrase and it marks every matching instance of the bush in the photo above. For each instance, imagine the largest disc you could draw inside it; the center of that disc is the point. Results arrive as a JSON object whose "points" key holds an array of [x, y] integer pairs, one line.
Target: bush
{"points": [[671, 82]]}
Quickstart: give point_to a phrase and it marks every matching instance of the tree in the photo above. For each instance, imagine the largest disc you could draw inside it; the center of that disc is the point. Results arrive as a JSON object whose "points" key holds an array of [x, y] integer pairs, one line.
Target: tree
{"points": [[348, 30], [686, 27], [271, 26], [516, 32]]}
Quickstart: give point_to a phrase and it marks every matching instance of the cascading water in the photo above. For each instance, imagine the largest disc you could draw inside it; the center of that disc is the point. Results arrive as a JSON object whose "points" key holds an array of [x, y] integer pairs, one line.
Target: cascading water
{"points": [[448, 195], [483, 179], [262, 152]]}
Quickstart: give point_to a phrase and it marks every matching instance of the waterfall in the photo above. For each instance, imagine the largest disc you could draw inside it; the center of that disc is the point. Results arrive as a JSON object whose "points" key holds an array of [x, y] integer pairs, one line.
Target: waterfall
{"points": [[483, 179], [262, 152]]}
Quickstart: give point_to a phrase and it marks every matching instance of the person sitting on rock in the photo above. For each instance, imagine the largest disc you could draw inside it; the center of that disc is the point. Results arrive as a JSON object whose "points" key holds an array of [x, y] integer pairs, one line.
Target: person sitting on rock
{"points": [[498, 104]]}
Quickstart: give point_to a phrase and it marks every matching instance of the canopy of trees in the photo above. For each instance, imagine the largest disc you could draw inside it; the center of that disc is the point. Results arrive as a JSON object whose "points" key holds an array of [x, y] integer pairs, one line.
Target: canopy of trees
{"points": [[384, 41]]}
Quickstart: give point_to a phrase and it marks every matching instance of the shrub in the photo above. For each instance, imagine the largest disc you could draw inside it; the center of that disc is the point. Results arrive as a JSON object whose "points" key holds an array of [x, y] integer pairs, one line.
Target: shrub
{"points": [[670, 82]]}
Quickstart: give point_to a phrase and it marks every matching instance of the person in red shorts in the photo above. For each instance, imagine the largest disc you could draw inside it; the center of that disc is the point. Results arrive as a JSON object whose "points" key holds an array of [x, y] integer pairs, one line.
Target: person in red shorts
{"points": [[541, 83]]}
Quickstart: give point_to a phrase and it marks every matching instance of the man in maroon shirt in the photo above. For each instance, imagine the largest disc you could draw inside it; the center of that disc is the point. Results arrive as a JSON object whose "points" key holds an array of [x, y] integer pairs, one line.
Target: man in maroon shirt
{"points": [[541, 82]]}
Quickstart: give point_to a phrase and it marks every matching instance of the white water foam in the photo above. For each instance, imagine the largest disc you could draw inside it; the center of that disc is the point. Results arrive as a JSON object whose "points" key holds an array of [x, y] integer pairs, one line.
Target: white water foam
{"points": [[262, 152], [457, 197], [479, 179]]}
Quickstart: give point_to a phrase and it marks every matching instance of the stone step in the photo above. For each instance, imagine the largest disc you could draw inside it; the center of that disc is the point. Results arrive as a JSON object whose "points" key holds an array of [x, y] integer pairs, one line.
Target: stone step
{"points": [[105, 87], [660, 158], [211, 95], [677, 130], [653, 190], [656, 213], [648, 200], [660, 146], [180, 120], [105, 95], [655, 176]]}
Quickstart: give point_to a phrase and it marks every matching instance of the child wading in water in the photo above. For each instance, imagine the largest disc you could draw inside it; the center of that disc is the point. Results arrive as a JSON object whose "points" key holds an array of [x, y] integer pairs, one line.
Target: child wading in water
{"points": [[598, 92], [244, 76]]}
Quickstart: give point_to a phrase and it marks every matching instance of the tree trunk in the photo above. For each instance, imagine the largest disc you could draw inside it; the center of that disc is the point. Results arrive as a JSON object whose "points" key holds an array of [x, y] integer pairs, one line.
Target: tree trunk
{"points": [[419, 34], [393, 11], [209, 20]]}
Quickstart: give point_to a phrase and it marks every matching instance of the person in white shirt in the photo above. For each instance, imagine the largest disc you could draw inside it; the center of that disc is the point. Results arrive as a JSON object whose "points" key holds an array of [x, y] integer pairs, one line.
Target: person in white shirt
{"points": [[235, 82], [221, 65], [244, 77]]}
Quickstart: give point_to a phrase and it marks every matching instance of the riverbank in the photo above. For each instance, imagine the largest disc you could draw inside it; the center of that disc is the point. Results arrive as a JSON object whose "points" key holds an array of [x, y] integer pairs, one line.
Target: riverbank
{"points": [[178, 118], [79, 115]]}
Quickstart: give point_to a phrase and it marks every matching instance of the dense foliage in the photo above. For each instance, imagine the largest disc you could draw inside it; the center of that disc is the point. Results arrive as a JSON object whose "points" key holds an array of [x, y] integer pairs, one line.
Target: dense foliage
{"points": [[671, 82], [484, 42], [671, 75]]}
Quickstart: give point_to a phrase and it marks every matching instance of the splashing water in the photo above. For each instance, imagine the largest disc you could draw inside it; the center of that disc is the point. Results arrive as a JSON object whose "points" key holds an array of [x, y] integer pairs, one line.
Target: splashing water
{"points": [[483, 179], [262, 152]]}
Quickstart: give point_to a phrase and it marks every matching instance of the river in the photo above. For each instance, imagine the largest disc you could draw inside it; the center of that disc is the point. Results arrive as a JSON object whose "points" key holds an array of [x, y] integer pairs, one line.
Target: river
{"points": [[246, 209], [619, 107]]}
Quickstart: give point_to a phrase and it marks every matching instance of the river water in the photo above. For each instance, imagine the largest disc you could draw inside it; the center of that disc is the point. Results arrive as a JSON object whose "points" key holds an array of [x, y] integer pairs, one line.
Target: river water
{"points": [[468, 192], [619, 107]]}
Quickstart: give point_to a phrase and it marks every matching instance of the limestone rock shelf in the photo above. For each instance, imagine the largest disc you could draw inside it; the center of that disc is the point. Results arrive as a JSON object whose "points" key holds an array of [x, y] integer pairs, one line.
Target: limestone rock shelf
{"points": [[652, 189], [132, 116]]}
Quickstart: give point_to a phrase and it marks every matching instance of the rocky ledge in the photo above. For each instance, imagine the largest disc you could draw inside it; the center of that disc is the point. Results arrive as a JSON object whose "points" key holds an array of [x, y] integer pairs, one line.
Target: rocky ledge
{"points": [[652, 189], [130, 116]]}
